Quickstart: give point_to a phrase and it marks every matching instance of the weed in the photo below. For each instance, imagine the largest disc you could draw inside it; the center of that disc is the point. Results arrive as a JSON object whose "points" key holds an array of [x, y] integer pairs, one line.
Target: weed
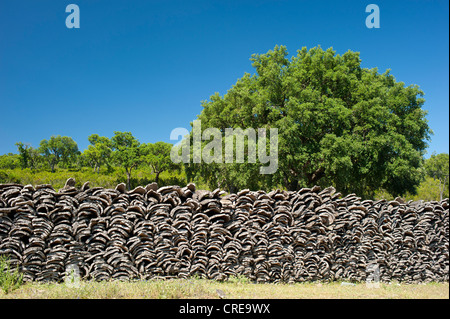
{"points": [[239, 279], [9, 279]]}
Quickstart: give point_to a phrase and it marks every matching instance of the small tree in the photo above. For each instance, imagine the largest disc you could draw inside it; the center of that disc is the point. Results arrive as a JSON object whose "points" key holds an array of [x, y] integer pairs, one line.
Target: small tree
{"points": [[437, 166], [99, 152], [59, 149], [158, 157], [28, 156], [126, 152], [23, 154]]}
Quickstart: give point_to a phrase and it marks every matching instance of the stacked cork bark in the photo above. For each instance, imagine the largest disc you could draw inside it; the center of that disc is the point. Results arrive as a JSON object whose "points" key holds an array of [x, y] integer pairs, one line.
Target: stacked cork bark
{"points": [[178, 232]]}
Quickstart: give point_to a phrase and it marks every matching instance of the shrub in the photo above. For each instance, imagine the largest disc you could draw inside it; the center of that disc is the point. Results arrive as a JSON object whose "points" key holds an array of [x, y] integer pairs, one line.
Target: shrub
{"points": [[8, 178], [9, 279]]}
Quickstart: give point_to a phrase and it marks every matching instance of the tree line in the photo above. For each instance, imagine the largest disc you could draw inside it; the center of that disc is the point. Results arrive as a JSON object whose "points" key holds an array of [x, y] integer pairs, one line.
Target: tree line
{"points": [[101, 154], [122, 150], [338, 124]]}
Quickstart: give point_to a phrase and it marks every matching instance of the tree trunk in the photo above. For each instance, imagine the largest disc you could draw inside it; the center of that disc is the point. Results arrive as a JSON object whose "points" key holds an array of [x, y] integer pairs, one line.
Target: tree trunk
{"points": [[314, 177], [128, 179], [441, 191], [293, 185], [157, 177], [290, 182]]}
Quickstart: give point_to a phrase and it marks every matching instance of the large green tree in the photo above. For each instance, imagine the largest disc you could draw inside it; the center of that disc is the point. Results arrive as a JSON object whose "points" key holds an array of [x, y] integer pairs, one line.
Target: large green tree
{"points": [[338, 123], [59, 149]]}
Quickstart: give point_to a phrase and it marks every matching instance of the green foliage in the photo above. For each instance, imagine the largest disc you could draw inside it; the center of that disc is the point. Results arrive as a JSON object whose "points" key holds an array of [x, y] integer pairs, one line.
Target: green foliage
{"points": [[9, 279], [59, 149], [437, 166], [24, 156], [428, 190], [59, 178], [144, 175], [99, 152], [157, 155], [339, 124], [7, 178], [126, 152], [239, 280], [9, 161], [28, 156], [108, 179], [122, 155], [434, 185]]}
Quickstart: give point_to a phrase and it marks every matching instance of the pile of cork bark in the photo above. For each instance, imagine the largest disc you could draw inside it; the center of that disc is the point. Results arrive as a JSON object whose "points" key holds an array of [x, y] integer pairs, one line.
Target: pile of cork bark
{"points": [[178, 232]]}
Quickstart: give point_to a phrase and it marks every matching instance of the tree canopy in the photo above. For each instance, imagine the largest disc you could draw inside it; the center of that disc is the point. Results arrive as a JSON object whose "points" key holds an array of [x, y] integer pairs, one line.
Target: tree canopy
{"points": [[157, 155], [123, 152], [59, 149], [339, 123], [126, 152], [437, 166], [99, 151]]}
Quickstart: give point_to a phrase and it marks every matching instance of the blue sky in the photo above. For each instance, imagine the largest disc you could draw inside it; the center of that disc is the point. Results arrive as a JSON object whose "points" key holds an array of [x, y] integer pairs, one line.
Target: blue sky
{"points": [[145, 66]]}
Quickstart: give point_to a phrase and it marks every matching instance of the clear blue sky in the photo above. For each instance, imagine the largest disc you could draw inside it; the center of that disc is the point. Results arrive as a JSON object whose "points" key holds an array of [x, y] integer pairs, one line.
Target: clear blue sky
{"points": [[145, 66]]}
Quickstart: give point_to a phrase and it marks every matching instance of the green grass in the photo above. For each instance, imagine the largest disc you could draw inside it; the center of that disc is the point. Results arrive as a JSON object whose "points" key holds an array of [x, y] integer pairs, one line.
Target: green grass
{"points": [[233, 288], [106, 179]]}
